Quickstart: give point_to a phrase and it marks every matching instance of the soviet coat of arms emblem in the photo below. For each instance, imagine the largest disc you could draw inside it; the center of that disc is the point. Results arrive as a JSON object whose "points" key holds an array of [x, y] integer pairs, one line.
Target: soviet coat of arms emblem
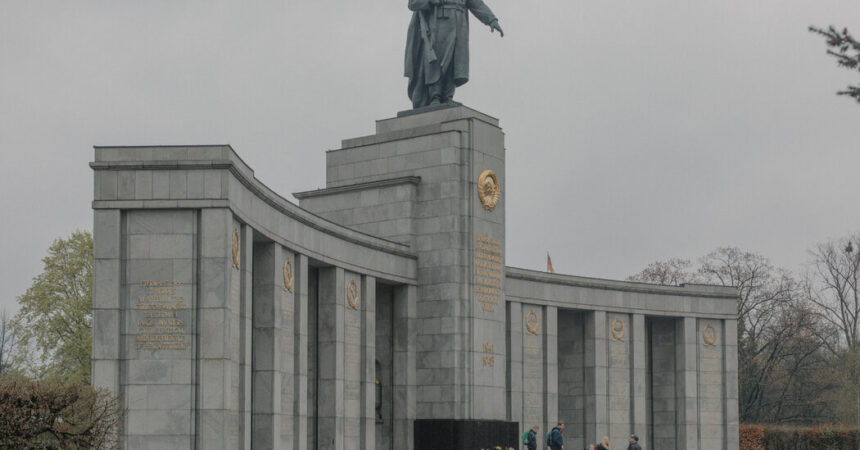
{"points": [[488, 189]]}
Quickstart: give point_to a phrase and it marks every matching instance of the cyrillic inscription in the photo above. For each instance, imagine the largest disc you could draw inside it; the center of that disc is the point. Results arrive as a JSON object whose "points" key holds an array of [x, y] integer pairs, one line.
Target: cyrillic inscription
{"points": [[160, 328], [488, 272]]}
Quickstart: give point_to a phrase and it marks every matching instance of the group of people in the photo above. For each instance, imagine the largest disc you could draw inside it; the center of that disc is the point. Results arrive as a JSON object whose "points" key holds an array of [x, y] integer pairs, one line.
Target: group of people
{"points": [[555, 440]]}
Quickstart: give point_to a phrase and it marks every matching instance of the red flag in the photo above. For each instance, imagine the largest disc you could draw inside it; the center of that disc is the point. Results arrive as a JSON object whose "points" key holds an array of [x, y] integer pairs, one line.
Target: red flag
{"points": [[549, 264]]}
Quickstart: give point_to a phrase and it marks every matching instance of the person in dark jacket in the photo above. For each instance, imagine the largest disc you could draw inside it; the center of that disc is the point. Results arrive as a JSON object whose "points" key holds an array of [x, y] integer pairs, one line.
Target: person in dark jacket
{"points": [[556, 440], [634, 443], [532, 438], [604, 444]]}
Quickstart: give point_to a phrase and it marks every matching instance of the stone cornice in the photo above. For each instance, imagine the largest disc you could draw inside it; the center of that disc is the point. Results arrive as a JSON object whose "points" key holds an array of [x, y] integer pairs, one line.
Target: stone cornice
{"points": [[357, 187], [225, 158], [687, 290]]}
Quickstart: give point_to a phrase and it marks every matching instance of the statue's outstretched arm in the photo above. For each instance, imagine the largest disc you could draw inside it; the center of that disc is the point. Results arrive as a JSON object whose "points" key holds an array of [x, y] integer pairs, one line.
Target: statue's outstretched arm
{"points": [[482, 11]]}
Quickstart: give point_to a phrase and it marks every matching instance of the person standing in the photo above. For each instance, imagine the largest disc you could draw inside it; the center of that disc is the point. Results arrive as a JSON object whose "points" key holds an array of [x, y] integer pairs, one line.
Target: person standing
{"points": [[604, 443], [634, 443], [531, 438], [555, 440]]}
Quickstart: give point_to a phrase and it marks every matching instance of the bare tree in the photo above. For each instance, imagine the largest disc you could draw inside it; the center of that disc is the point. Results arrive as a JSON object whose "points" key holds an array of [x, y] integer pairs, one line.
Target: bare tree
{"points": [[671, 272], [833, 286], [781, 362], [834, 290]]}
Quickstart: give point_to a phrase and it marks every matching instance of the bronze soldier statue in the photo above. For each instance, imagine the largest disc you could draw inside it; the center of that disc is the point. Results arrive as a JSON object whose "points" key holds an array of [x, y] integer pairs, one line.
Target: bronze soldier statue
{"points": [[437, 47]]}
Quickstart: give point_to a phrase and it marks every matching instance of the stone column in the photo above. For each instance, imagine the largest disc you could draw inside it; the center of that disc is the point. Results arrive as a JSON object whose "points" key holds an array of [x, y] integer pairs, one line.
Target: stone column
{"points": [[711, 371], [300, 366], [368, 363], [405, 379], [596, 374], [245, 332], [730, 378], [687, 383], [330, 345], [550, 367], [515, 364], [286, 287], [267, 347], [218, 316], [534, 379], [639, 378], [106, 299]]}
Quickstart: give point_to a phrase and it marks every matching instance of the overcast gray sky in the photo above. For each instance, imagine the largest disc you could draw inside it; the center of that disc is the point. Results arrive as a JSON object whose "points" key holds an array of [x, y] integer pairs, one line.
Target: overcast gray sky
{"points": [[635, 130]]}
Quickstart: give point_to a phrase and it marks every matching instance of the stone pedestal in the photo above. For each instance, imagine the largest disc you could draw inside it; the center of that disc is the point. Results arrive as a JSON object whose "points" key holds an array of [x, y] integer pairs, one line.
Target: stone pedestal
{"points": [[436, 180]]}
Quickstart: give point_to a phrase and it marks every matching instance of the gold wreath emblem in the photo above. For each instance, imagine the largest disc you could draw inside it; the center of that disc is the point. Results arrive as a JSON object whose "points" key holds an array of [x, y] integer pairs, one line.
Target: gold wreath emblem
{"points": [[288, 275], [488, 189], [236, 248], [617, 329], [709, 335], [532, 324], [352, 295]]}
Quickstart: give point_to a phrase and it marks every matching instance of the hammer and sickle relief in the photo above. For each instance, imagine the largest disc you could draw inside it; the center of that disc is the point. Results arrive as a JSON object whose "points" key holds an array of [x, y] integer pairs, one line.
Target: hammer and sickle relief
{"points": [[709, 335], [532, 324], [352, 295], [288, 275], [617, 329]]}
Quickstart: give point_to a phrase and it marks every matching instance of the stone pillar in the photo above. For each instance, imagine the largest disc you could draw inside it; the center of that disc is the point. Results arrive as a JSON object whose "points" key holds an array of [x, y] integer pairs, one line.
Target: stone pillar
{"points": [[515, 364], [550, 367], [687, 383], [245, 332], [639, 378], [711, 370], [730, 378], [534, 377], [368, 363], [571, 378], [353, 353], [106, 299], [596, 377], [300, 335], [285, 289], [405, 379], [663, 387], [217, 312], [619, 384], [330, 354], [266, 389]]}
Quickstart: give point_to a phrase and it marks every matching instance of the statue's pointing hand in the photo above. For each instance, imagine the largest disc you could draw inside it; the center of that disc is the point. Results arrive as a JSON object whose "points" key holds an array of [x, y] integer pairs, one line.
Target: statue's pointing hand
{"points": [[494, 25]]}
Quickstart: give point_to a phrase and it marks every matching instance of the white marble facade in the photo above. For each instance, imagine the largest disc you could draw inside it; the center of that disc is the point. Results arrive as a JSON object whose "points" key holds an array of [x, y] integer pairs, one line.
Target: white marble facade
{"points": [[227, 317]]}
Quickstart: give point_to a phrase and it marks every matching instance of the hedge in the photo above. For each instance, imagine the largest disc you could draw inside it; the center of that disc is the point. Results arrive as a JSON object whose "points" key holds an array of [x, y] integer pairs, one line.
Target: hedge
{"points": [[56, 415], [821, 437]]}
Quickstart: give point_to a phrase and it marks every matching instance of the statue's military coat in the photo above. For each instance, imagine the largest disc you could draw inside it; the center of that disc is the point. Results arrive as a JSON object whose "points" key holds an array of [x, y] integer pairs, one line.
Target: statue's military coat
{"points": [[450, 38]]}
